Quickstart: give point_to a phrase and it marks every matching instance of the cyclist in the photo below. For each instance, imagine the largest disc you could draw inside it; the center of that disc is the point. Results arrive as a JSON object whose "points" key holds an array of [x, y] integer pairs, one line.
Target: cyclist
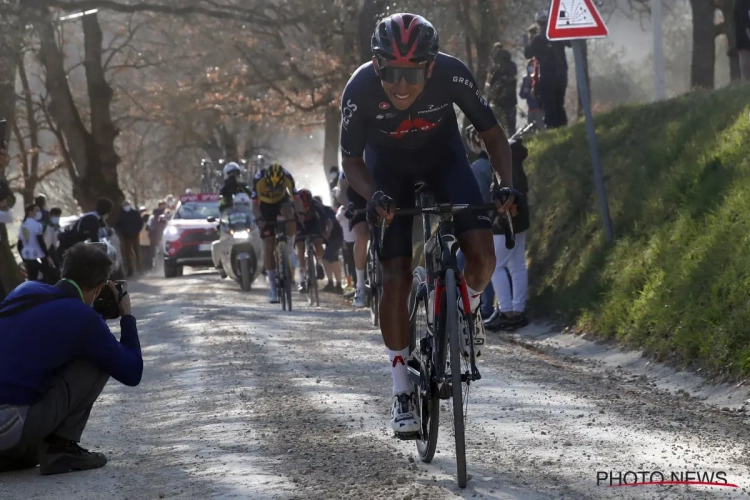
{"points": [[361, 231], [398, 128], [274, 195], [232, 185], [312, 222]]}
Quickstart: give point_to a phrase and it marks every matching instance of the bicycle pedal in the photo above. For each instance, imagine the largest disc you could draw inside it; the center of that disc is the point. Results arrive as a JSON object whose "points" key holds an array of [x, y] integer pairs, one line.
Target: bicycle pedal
{"points": [[407, 436]]}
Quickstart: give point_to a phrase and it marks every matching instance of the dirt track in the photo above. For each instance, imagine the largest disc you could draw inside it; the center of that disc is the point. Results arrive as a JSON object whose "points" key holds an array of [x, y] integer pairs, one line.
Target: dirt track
{"points": [[240, 400]]}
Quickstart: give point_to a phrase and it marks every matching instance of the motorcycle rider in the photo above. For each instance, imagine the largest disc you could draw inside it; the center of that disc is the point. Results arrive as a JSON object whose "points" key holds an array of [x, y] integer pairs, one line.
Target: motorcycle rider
{"points": [[232, 185]]}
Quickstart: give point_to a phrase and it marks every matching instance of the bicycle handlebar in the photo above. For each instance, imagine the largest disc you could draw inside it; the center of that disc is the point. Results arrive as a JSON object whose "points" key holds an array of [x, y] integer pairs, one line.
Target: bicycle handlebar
{"points": [[444, 209]]}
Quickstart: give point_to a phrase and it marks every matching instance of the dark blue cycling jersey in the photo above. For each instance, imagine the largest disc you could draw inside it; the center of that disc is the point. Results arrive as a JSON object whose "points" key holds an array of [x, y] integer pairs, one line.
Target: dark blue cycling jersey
{"points": [[368, 118]]}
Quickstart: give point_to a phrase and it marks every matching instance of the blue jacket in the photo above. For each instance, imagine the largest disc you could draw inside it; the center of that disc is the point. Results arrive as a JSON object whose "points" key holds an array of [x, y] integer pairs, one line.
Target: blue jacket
{"points": [[39, 341]]}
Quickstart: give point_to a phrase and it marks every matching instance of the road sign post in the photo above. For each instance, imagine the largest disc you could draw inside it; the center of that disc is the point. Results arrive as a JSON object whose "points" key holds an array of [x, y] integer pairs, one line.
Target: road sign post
{"points": [[578, 20]]}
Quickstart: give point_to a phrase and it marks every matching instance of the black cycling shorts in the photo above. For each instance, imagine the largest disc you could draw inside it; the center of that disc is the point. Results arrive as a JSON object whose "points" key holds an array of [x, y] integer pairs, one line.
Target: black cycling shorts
{"points": [[270, 213], [359, 204], [442, 165]]}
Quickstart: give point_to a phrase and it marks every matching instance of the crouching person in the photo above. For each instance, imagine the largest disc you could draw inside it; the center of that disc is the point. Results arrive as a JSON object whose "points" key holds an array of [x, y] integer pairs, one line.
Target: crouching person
{"points": [[56, 356]]}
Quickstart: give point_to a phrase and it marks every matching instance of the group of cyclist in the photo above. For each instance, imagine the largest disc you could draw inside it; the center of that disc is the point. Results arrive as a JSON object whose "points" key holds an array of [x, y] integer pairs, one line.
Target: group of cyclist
{"points": [[399, 128], [274, 196]]}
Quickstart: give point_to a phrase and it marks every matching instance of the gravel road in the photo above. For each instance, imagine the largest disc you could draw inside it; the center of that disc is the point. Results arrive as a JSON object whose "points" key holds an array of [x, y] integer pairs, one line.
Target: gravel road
{"points": [[241, 400]]}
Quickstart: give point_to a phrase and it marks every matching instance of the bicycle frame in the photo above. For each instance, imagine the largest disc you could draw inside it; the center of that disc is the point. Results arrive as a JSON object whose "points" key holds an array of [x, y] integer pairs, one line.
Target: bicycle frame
{"points": [[440, 250]]}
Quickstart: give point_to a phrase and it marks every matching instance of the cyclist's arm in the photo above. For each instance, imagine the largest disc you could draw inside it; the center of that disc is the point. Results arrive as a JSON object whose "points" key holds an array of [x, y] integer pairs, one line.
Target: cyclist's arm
{"points": [[353, 140], [476, 108], [496, 143]]}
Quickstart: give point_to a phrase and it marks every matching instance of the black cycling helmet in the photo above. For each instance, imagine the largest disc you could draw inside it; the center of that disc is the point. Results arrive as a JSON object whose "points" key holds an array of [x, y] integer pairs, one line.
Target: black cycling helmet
{"points": [[405, 38]]}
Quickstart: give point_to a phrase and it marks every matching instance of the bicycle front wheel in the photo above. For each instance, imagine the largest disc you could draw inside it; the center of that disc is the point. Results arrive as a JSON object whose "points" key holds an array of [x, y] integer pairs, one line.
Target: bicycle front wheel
{"points": [[451, 325]]}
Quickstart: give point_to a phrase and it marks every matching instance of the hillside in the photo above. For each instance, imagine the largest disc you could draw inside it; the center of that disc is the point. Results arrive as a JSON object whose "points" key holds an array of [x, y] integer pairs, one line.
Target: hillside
{"points": [[676, 282]]}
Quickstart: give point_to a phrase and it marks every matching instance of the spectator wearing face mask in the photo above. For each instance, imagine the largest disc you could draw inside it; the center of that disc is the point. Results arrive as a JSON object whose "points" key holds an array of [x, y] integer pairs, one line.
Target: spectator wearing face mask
{"points": [[32, 248], [128, 227]]}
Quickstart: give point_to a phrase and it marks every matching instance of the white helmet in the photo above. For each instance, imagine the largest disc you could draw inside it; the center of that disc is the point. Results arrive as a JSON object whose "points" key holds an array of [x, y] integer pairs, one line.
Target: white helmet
{"points": [[229, 168], [241, 199], [188, 191]]}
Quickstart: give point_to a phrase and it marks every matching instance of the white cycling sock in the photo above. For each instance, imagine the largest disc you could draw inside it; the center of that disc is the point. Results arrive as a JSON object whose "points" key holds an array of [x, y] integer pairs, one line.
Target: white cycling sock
{"points": [[272, 279], [360, 279], [474, 299], [398, 370]]}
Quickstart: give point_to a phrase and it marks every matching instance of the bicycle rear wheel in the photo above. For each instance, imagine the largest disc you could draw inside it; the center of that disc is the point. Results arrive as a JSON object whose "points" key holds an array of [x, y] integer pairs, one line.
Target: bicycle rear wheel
{"points": [[312, 279], [451, 325]]}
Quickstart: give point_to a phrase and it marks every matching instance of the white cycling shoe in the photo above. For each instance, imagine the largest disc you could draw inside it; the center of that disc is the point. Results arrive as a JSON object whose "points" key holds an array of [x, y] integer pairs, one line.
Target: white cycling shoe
{"points": [[404, 416], [480, 337], [359, 299]]}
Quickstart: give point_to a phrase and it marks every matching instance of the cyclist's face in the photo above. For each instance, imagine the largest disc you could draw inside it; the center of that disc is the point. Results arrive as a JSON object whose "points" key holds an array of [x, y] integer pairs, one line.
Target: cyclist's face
{"points": [[403, 82]]}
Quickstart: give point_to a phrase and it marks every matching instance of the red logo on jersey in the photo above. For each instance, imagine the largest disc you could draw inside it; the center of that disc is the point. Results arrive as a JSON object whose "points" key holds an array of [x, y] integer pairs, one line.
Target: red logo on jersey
{"points": [[415, 125], [398, 359], [384, 105]]}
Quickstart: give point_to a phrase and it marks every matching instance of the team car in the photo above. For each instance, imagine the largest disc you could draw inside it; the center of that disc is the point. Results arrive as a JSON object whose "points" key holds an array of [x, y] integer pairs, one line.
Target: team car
{"points": [[188, 235]]}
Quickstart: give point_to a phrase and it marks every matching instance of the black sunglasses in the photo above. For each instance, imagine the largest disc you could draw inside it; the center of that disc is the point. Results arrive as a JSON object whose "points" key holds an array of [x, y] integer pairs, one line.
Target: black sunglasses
{"points": [[393, 74]]}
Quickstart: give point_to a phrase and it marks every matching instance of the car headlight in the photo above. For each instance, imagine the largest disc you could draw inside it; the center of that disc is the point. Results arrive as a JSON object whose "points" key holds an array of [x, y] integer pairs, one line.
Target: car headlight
{"points": [[171, 232], [241, 235]]}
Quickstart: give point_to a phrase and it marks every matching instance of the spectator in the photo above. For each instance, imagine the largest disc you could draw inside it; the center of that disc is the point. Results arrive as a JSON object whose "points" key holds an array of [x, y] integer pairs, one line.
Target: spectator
{"points": [[51, 233], [510, 265], [146, 259], [88, 227], [535, 115], [334, 241], [128, 227], [553, 73], [41, 202], [56, 356], [503, 87], [484, 174], [348, 246], [31, 245], [156, 225], [742, 25]]}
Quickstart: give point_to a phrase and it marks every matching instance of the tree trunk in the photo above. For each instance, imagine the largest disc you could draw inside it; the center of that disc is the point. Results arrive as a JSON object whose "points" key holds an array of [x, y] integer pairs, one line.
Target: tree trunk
{"points": [[368, 16], [704, 45], [93, 153], [728, 28], [10, 48]]}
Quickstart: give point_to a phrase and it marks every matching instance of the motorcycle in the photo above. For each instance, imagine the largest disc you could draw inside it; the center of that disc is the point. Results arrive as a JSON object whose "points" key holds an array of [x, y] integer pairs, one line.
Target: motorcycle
{"points": [[239, 250]]}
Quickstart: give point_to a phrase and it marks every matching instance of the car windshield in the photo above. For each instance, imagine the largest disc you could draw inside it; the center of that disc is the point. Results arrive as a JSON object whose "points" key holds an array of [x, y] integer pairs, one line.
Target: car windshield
{"points": [[198, 210]]}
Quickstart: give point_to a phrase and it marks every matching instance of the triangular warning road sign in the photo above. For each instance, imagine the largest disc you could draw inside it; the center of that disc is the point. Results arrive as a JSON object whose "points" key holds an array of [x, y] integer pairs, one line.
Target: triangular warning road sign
{"points": [[575, 19]]}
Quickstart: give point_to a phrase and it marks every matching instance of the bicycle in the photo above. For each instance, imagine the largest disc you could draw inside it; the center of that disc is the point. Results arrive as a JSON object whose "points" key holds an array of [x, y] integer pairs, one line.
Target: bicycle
{"points": [[312, 271], [433, 373], [283, 268], [374, 270]]}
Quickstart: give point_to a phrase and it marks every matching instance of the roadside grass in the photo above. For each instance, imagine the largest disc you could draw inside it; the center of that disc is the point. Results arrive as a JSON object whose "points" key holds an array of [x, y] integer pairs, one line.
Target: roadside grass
{"points": [[676, 282]]}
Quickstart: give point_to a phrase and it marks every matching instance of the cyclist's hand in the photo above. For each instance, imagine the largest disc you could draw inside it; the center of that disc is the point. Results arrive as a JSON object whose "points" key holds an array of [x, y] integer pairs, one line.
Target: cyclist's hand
{"points": [[380, 207], [505, 200]]}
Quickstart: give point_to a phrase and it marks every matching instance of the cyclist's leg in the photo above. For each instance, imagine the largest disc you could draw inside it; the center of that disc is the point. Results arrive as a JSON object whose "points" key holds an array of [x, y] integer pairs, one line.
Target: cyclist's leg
{"points": [[300, 247], [270, 213], [287, 212], [453, 181], [331, 261], [396, 257], [362, 237]]}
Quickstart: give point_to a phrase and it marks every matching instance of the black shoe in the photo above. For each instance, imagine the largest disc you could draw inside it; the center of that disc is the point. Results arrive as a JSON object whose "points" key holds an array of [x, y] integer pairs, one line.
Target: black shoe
{"points": [[492, 318], [338, 290], [509, 323], [329, 287], [321, 273], [68, 457]]}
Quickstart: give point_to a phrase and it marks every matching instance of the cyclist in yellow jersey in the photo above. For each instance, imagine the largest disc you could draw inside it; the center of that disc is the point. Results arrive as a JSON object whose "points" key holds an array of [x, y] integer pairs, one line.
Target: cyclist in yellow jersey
{"points": [[274, 195]]}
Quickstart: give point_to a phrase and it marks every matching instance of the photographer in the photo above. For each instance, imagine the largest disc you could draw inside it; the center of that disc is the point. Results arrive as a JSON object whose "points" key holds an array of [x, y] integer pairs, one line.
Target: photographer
{"points": [[56, 356]]}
